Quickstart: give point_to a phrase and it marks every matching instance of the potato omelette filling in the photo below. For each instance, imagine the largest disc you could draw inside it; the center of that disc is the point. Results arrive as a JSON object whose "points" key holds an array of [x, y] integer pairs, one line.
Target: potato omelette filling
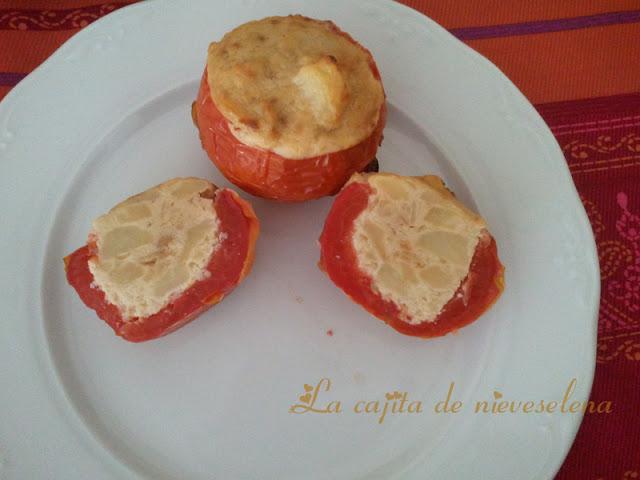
{"points": [[295, 86], [154, 245], [416, 242]]}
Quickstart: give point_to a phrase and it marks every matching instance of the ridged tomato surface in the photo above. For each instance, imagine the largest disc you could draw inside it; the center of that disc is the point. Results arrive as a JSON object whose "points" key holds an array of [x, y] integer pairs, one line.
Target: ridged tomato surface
{"points": [[267, 174]]}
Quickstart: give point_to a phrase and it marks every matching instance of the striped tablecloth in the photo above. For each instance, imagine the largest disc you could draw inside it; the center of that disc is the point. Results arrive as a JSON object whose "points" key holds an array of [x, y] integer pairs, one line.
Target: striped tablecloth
{"points": [[578, 62]]}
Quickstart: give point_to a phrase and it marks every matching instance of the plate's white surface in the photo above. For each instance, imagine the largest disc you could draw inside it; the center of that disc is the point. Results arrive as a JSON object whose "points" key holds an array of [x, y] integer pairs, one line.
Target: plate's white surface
{"points": [[108, 115]]}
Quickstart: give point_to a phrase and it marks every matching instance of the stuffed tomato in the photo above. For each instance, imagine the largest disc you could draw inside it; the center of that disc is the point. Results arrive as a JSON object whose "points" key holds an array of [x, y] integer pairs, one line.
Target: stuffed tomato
{"points": [[160, 258], [411, 254], [290, 107]]}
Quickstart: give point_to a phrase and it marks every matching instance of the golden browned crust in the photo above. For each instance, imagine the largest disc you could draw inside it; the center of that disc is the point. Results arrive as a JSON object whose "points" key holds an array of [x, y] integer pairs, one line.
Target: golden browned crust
{"points": [[295, 86]]}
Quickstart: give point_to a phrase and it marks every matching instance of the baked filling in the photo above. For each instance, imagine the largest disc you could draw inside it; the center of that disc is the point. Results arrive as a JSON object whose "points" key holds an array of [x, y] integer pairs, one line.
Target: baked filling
{"points": [[295, 86], [415, 241], [154, 245]]}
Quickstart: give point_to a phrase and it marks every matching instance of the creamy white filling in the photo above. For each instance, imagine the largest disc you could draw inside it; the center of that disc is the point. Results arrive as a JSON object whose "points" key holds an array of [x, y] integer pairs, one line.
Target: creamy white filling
{"points": [[153, 246], [416, 242]]}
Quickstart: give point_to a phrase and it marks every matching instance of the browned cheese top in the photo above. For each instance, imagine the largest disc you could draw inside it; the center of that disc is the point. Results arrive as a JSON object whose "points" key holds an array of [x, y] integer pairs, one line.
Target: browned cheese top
{"points": [[295, 86]]}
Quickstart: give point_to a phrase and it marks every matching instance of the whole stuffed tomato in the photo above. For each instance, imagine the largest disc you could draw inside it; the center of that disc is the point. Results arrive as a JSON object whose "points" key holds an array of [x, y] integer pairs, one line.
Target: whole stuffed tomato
{"points": [[290, 107]]}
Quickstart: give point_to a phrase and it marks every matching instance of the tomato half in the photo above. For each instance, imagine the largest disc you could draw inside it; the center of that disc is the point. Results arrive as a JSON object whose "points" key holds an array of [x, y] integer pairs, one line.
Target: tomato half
{"points": [[228, 266], [483, 284]]}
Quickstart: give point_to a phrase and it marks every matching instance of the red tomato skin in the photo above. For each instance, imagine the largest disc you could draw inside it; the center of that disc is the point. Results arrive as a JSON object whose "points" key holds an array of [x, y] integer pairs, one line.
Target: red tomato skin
{"points": [[338, 259], [265, 173], [228, 266]]}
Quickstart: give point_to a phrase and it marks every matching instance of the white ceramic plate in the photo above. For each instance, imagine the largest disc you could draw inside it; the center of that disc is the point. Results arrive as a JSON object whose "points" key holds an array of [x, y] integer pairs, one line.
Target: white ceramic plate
{"points": [[108, 116]]}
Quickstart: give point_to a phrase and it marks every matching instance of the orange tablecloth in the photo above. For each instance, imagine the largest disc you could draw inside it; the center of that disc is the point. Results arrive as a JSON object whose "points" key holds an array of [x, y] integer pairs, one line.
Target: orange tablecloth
{"points": [[578, 61]]}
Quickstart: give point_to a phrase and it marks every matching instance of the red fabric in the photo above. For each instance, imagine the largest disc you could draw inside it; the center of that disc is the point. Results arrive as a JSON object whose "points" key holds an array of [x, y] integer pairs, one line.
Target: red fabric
{"points": [[578, 61], [601, 141]]}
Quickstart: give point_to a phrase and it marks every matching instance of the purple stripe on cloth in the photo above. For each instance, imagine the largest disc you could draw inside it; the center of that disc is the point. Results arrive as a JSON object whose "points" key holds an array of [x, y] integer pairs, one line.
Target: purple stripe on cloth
{"points": [[9, 79], [545, 26]]}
